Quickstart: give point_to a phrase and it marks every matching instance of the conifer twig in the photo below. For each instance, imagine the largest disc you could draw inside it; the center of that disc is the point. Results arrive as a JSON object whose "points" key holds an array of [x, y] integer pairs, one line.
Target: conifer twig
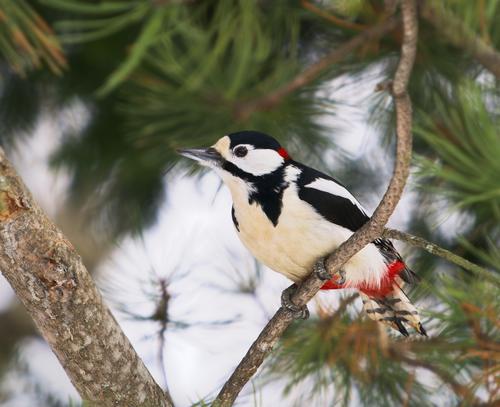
{"points": [[371, 230], [435, 250], [443, 375], [332, 18], [273, 98], [456, 33]]}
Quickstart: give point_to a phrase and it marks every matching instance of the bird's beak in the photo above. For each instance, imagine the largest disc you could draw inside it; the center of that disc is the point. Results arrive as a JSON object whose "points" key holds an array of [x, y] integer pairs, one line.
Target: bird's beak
{"points": [[207, 156]]}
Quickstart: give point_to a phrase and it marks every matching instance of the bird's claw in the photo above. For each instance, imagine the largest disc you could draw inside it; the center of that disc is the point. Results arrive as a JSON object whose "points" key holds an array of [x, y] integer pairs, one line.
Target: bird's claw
{"points": [[298, 312], [323, 274], [321, 271], [341, 280]]}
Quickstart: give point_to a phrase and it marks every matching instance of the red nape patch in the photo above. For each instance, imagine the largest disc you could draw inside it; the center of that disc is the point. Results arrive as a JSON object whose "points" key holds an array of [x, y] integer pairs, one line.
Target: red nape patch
{"points": [[393, 270], [282, 152]]}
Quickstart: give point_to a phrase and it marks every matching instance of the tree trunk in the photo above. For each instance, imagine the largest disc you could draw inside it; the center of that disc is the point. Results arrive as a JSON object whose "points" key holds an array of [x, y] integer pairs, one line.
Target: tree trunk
{"points": [[50, 279]]}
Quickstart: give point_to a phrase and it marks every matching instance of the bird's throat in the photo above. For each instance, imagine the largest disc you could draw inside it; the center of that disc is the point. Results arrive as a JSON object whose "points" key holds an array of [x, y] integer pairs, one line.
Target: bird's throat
{"points": [[264, 191]]}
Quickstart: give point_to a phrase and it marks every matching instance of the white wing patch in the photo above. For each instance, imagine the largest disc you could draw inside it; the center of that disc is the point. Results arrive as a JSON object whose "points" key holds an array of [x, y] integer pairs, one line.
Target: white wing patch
{"points": [[332, 187]]}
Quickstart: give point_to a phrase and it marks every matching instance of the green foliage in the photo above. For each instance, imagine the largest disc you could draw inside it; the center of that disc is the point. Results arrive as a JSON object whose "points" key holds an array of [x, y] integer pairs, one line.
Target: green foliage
{"points": [[347, 351], [348, 8], [189, 81], [160, 75], [182, 74], [109, 18], [489, 256], [195, 74], [469, 325], [26, 41], [463, 131], [477, 16], [348, 354]]}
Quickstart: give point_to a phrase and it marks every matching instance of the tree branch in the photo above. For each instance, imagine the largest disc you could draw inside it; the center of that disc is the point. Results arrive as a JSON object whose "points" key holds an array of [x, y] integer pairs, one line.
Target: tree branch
{"points": [[51, 281], [273, 98], [332, 18], [436, 251], [370, 231], [459, 389], [457, 34]]}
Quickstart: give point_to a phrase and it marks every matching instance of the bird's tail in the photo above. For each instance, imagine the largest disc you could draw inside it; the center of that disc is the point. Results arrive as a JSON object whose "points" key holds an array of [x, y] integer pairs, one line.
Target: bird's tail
{"points": [[393, 309]]}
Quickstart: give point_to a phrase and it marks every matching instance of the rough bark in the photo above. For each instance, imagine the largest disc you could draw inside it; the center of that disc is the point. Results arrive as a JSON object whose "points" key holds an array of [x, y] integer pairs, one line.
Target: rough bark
{"points": [[371, 230], [51, 281]]}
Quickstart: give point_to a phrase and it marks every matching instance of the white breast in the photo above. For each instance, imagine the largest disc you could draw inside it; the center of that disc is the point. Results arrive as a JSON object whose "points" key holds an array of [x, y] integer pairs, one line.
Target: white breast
{"points": [[300, 238]]}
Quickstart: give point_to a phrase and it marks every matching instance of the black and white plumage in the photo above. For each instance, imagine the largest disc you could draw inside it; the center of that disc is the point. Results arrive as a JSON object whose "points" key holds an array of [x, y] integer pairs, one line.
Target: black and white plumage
{"points": [[290, 215]]}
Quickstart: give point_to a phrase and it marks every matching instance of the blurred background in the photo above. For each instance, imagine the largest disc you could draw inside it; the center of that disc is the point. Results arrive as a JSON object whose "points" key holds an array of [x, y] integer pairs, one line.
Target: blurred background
{"points": [[95, 96]]}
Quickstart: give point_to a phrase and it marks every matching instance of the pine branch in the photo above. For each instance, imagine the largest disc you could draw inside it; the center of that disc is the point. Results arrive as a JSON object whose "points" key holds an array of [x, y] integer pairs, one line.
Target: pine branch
{"points": [[49, 278], [455, 32], [371, 230], [244, 110], [343, 304], [436, 251], [26, 40], [443, 375], [332, 18], [161, 315]]}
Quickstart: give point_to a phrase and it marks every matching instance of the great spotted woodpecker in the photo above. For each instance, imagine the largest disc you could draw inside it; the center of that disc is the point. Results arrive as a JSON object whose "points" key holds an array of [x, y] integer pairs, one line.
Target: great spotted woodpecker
{"points": [[290, 216]]}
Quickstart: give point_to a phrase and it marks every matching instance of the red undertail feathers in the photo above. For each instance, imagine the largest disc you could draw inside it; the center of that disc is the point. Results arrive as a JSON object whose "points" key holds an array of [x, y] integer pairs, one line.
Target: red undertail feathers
{"points": [[387, 303]]}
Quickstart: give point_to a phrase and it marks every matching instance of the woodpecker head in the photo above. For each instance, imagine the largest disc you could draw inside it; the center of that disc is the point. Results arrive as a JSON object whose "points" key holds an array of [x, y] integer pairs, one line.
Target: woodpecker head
{"points": [[246, 155]]}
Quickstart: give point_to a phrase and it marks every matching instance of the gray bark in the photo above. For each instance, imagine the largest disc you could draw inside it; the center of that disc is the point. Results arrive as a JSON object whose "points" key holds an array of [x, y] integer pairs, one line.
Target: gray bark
{"points": [[51, 281]]}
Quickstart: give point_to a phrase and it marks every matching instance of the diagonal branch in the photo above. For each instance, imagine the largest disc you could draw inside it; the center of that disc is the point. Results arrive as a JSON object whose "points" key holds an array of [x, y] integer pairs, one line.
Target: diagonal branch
{"points": [[332, 18], [370, 231], [273, 98], [459, 389], [49, 278], [438, 251], [457, 34]]}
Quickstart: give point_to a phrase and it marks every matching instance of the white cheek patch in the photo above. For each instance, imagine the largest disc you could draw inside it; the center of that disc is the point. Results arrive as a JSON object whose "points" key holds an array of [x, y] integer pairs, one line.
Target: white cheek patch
{"points": [[258, 161], [332, 187]]}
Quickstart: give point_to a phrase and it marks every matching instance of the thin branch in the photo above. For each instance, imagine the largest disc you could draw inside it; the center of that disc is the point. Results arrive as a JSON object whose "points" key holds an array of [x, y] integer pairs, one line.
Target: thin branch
{"points": [[408, 389], [161, 315], [436, 251], [457, 34], [371, 230], [332, 18], [49, 278], [446, 377], [273, 98], [343, 304]]}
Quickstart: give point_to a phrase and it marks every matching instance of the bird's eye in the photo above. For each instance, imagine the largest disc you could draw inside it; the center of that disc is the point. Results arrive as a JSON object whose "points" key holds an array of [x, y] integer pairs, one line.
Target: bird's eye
{"points": [[240, 151]]}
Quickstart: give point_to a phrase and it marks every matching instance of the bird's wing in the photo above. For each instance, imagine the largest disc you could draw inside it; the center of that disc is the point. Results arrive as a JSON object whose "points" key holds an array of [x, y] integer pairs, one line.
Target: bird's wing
{"points": [[336, 204], [330, 199]]}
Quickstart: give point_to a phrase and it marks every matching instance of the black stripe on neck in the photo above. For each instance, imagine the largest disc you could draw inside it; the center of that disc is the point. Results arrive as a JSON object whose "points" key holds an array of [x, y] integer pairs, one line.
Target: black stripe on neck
{"points": [[265, 190]]}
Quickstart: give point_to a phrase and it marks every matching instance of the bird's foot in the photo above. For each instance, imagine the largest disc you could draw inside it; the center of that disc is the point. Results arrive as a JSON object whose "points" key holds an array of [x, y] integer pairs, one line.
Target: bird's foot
{"points": [[298, 312], [341, 279], [323, 274], [321, 271]]}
